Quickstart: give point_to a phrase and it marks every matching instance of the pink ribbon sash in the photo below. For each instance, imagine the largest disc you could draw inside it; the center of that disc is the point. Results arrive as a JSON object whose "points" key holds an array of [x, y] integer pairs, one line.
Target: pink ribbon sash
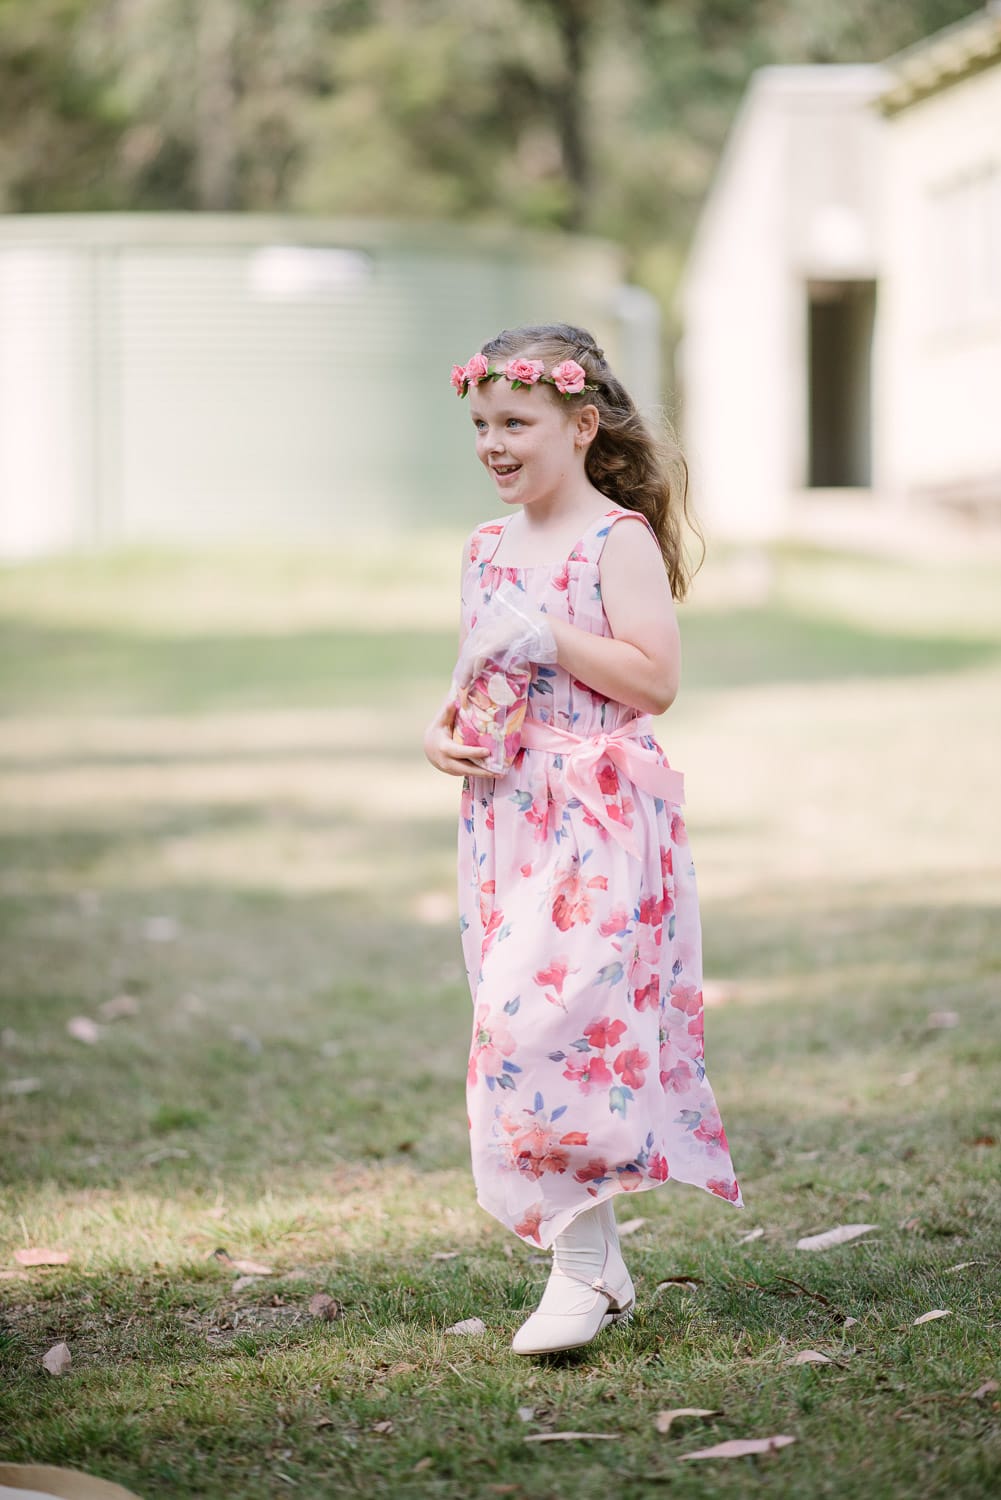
{"points": [[582, 756]]}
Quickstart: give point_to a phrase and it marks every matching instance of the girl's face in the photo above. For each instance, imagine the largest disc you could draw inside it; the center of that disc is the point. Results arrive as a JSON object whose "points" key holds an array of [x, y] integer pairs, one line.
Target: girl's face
{"points": [[524, 440]]}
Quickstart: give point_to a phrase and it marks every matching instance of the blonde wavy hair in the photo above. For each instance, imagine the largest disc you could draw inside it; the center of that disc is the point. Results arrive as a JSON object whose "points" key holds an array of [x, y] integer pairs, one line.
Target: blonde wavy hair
{"points": [[634, 467]]}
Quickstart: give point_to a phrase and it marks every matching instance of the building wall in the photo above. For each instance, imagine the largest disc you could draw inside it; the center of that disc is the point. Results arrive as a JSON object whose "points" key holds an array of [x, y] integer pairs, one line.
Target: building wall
{"points": [[175, 378], [939, 433], [733, 370], [795, 199]]}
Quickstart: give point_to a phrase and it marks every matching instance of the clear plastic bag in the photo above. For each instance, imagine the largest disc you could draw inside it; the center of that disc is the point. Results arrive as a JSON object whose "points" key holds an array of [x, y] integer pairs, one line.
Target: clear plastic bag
{"points": [[491, 678]]}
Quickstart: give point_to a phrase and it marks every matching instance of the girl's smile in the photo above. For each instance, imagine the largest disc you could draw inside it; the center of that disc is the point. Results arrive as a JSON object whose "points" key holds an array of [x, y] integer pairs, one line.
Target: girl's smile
{"points": [[525, 441]]}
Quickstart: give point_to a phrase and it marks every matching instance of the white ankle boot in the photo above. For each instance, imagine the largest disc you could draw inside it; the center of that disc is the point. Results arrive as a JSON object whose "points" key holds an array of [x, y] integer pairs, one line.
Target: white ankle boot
{"points": [[588, 1288]]}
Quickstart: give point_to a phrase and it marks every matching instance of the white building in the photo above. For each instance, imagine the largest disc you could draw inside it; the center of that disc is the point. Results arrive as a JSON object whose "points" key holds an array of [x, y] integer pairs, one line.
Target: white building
{"points": [[842, 301]]}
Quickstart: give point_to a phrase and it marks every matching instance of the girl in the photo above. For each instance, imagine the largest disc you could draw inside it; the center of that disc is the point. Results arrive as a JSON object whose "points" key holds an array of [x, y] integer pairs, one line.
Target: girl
{"points": [[579, 918]]}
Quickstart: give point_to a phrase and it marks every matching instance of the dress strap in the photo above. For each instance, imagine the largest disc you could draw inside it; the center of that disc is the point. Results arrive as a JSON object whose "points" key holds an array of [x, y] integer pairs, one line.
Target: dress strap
{"points": [[486, 540], [592, 543]]}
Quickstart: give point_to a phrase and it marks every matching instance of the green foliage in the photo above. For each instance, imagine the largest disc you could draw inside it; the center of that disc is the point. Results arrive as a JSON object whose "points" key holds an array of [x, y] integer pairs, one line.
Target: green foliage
{"points": [[371, 106], [571, 115]]}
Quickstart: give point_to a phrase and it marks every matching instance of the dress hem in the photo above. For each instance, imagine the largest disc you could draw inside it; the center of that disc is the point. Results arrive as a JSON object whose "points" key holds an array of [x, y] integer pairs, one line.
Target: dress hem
{"points": [[562, 1221]]}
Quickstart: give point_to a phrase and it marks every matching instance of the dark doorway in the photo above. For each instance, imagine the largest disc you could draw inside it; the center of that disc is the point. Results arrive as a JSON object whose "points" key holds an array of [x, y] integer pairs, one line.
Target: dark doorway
{"points": [[840, 324]]}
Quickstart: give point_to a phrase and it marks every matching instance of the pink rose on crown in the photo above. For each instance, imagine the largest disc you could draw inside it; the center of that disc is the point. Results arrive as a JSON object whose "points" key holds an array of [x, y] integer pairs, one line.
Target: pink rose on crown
{"points": [[476, 368], [458, 378], [525, 371], [569, 377]]}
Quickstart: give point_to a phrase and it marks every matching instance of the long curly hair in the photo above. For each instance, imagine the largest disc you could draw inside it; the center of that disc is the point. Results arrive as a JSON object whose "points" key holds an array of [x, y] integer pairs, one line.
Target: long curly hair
{"points": [[626, 461]]}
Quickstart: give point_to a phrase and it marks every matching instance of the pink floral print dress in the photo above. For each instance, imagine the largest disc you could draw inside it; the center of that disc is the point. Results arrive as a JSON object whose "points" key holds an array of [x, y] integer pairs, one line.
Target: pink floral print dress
{"points": [[582, 945]]}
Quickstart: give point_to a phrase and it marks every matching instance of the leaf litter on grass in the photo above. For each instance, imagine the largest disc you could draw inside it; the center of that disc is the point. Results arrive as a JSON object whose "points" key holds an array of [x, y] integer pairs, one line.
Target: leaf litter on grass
{"points": [[822, 974]]}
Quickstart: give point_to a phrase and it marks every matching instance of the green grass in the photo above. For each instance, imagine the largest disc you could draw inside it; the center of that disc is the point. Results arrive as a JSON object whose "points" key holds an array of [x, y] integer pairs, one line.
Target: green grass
{"points": [[212, 798]]}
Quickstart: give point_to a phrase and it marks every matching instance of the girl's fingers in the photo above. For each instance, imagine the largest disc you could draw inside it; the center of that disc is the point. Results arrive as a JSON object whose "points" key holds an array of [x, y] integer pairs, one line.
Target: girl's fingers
{"points": [[458, 751], [465, 765]]}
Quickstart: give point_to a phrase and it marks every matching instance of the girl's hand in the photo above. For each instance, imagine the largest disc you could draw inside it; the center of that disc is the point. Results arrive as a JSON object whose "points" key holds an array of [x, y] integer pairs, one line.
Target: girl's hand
{"points": [[446, 754]]}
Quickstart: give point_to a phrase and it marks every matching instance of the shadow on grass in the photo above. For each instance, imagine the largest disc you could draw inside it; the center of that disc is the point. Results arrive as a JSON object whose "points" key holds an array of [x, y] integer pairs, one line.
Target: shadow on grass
{"points": [[105, 670], [328, 1030], [82, 849]]}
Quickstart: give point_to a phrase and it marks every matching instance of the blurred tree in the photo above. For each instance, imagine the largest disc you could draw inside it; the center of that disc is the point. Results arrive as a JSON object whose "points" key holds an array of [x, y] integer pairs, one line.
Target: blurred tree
{"points": [[58, 121], [606, 117]]}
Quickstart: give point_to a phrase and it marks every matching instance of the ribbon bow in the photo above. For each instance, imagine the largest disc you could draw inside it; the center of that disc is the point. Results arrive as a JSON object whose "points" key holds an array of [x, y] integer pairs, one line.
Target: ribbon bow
{"points": [[583, 754]]}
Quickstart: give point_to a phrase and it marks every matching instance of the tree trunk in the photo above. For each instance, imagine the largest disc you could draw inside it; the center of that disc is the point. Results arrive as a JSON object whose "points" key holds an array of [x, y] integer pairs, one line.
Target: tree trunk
{"points": [[573, 20], [215, 101]]}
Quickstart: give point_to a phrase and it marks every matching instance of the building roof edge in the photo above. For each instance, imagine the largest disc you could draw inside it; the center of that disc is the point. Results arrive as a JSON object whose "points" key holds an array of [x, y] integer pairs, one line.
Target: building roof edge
{"points": [[945, 58]]}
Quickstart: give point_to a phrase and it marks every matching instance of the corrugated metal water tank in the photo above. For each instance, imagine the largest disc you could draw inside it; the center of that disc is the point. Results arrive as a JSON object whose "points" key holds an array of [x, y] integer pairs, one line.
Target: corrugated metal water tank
{"points": [[183, 378]]}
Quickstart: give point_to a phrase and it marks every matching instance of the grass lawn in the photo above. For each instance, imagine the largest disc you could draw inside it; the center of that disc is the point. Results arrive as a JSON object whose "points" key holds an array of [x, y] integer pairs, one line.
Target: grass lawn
{"points": [[213, 802]]}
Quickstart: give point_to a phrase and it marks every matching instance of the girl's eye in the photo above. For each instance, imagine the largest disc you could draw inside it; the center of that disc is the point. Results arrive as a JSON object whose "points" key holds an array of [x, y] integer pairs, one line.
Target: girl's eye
{"points": [[514, 421]]}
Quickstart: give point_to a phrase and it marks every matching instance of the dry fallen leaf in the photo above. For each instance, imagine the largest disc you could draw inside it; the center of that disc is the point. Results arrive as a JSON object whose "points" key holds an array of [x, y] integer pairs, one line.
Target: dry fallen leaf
{"points": [[718, 992], [446, 1254], [160, 929], [809, 1357], [929, 1317], [526, 1413], [569, 1437], [422, 1463], [382, 1426], [58, 1359], [468, 1325], [831, 1237], [666, 1419], [164, 1153], [690, 1283], [246, 1038], [630, 1226], [755, 1234], [434, 907], [119, 1005], [83, 1029], [323, 1306], [942, 1020], [244, 1281], [742, 1447], [248, 1267], [849, 1323], [987, 1389], [964, 1263], [40, 1257], [22, 1085]]}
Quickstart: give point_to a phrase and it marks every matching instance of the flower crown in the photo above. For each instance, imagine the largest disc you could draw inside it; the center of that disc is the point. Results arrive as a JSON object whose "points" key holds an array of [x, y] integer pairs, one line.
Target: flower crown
{"points": [[568, 377]]}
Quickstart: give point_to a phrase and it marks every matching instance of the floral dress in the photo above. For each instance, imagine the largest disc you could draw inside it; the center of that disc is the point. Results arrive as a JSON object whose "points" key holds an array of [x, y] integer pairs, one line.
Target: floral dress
{"points": [[582, 944]]}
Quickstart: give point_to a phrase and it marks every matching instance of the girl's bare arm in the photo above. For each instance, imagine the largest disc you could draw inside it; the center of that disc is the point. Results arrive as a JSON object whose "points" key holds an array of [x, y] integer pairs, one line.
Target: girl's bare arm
{"points": [[641, 664]]}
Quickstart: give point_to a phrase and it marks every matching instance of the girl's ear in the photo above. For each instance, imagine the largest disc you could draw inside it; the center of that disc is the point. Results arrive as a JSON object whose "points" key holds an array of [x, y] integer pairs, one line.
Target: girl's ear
{"points": [[585, 426]]}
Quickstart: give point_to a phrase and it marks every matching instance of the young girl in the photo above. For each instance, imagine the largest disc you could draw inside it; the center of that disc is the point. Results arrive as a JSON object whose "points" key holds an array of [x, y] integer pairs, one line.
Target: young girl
{"points": [[579, 916]]}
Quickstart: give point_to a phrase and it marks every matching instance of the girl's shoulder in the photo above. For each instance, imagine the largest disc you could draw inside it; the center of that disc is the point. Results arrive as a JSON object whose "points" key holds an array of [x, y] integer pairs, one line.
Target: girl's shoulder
{"points": [[592, 544]]}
